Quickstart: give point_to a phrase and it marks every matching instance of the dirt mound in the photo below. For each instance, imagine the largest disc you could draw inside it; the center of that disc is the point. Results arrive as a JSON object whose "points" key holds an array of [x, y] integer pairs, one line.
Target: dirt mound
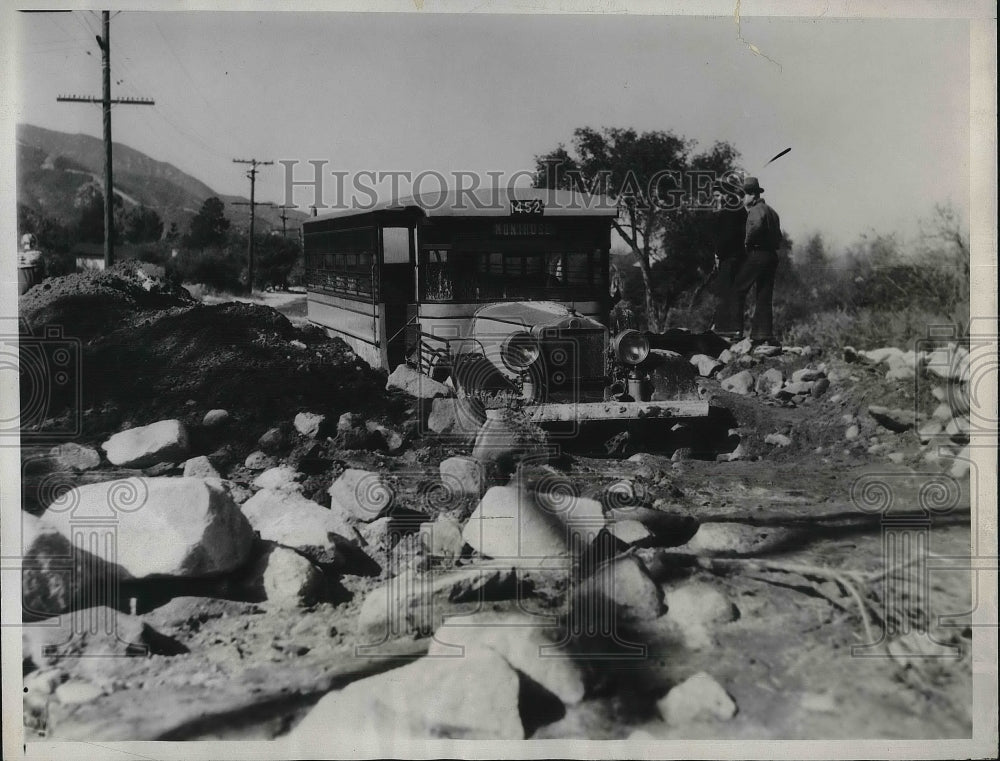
{"points": [[245, 358], [92, 303]]}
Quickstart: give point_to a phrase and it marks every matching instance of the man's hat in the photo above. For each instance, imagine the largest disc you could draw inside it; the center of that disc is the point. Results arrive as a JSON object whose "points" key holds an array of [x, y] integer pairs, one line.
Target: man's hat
{"points": [[751, 186]]}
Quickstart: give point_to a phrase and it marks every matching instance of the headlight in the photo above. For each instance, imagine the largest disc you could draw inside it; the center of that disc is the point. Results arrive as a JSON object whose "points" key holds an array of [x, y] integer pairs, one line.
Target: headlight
{"points": [[519, 351], [631, 347]]}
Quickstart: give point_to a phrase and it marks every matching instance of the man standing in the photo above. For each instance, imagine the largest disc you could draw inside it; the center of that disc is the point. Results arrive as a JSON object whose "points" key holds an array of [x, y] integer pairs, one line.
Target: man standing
{"points": [[763, 237], [728, 232]]}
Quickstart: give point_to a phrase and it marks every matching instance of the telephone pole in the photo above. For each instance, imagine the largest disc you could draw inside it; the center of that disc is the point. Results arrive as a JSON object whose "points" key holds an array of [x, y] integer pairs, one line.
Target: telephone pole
{"points": [[284, 217], [104, 41], [252, 175]]}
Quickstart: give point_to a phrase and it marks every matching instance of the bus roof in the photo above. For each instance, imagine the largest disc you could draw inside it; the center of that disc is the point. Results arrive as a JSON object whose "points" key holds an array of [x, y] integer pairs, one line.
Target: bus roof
{"points": [[490, 202]]}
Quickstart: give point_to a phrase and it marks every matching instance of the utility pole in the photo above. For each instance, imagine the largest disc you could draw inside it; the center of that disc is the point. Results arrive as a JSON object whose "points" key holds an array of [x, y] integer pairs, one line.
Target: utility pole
{"points": [[284, 217], [252, 175], [104, 41]]}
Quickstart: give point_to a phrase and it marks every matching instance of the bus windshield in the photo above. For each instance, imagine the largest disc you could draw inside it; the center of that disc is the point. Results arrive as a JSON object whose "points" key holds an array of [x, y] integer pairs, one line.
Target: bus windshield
{"points": [[450, 275]]}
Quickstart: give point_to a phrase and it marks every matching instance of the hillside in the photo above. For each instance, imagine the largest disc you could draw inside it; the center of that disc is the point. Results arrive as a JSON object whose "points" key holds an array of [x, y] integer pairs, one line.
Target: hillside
{"points": [[52, 167]]}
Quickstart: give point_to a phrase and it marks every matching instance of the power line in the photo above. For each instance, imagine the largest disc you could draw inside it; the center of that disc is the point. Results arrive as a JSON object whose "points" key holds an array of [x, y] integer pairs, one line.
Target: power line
{"points": [[104, 41]]}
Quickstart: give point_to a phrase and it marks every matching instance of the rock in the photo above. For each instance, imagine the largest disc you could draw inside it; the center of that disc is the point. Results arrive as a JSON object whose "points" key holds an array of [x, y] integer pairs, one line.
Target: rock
{"points": [[895, 420], [722, 538], [259, 461], [881, 355], [189, 613], [500, 442], [726, 356], [741, 347], [705, 364], [375, 535], [281, 478], [283, 578], [624, 584], [942, 412], [630, 532], [428, 699], [896, 457], [797, 387], [852, 432], [393, 440], [70, 456], [737, 454], [695, 609], [93, 633], [960, 466], [901, 372], [347, 422], [669, 529], [416, 384], [39, 688], [414, 602], [165, 441], [181, 527], [460, 419], [309, 423], [77, 691], [929, 430], [766, 350], [523, 640], [442, 538], [216, 418], [200, 467], [741, 383], [512, 523], [697, 698], [273, 440], [463, 475], [820, 387], [807, 374], [818, 702], [777, 439], [291, 520], [957, 430], [363, 494], [769, 381]]}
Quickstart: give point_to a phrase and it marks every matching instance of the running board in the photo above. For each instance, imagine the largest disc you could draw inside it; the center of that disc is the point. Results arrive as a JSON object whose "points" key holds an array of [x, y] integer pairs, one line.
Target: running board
{"points": [[572, 412]]}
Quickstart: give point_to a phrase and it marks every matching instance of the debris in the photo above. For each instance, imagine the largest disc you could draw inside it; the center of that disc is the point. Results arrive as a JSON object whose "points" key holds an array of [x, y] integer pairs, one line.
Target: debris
{"points": [[273, 440], [852, 432], [820, 387], [769, 381], [895, 420], [777, 439], [458, 418], [695, 608], [705, 364], [291, 520], [280, 478], [624, 583], [722, 538], [166, 440], [77, 691], [71, 456], [259, 461]]}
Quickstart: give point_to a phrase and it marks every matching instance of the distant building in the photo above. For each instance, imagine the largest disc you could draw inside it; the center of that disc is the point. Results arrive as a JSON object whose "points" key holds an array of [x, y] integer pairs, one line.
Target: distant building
{"points": [[90, 256]]}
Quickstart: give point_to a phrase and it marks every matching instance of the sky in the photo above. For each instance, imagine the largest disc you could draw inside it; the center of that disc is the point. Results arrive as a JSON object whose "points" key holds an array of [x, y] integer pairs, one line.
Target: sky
{"points": [[876, 111]]}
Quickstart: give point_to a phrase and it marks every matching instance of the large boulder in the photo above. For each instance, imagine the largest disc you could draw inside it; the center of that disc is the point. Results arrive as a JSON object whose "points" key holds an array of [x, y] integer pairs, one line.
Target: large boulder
{"points": [[522, 527], [623, 586], [409, 381], [706, 365], [525, 641], [696, 609], [723, 538], [71, 456], [473, 698], [200, 467], [165, 441], [294, 521], [770, 381], [179, 527], [280, 478], [503, 442], [362, 493]]}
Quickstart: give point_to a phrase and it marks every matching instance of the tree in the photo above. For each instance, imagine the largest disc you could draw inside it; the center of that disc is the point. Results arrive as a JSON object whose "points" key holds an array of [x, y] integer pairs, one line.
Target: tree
{"points": [[142, 225], [663, 191], [173, 234], [276, 256], [209, 226], [90, 223]]}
